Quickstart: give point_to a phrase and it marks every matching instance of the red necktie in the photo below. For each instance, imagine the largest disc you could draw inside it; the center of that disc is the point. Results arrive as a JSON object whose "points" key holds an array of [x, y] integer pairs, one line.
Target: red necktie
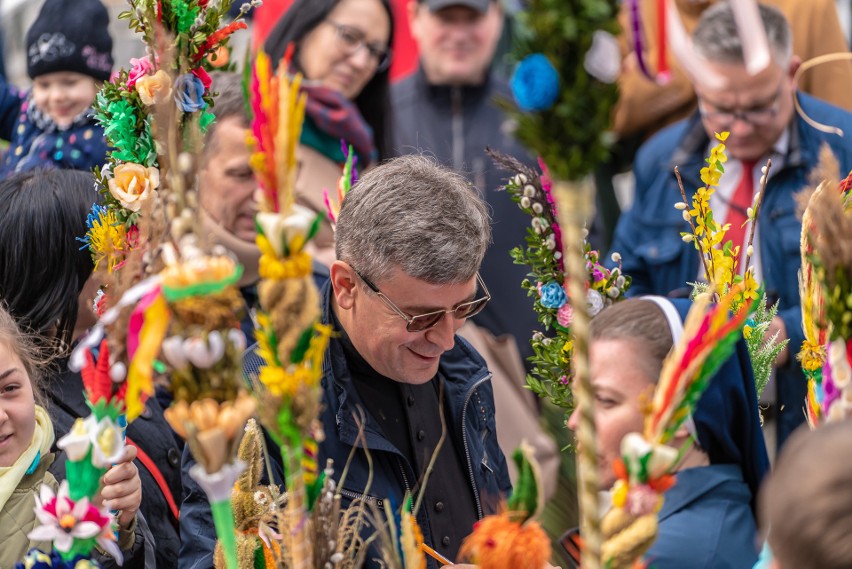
{"points": [[740, 202]]}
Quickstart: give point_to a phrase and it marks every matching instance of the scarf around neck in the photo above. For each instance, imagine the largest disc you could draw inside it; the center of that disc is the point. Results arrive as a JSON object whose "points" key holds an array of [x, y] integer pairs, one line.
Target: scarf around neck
{"points": [[11, 476], [331, 117]]}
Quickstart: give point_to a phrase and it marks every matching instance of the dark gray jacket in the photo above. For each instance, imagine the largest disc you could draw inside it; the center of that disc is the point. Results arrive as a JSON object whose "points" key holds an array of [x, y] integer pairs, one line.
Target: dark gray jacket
{"points": [[455, 124]]}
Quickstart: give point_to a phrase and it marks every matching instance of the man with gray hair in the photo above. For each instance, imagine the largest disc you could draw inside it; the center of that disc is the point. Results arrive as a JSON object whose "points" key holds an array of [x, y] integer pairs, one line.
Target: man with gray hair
{"points": [[410, 239], [758, 112], [402, 394]]}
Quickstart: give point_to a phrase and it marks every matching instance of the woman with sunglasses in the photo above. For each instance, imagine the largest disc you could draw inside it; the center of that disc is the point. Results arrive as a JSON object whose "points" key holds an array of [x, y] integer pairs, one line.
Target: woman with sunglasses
{"points": [[342, 47]]}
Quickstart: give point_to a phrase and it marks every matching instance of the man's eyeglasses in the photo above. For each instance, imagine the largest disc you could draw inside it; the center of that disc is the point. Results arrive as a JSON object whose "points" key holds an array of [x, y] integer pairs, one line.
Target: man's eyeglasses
{"points": [[758, 116], [352, 40], [422, 322]]}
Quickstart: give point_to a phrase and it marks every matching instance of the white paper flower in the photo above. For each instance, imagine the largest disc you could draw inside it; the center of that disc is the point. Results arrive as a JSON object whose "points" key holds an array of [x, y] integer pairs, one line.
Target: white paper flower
{"points": [[62, 520], [278, 228], [594, 302], [107, 443], [204, 355], [603, 60], [76, 442], [172, 349]]}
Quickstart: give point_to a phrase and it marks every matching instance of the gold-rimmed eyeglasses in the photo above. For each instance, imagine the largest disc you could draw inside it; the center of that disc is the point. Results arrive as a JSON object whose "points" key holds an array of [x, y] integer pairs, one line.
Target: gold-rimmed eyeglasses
{"points": [[422, 322]]}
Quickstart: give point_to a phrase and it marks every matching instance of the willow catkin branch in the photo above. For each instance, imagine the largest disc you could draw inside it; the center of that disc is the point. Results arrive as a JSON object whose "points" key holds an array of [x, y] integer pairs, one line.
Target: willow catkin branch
{"points": [[574, 205], [763, 178]]}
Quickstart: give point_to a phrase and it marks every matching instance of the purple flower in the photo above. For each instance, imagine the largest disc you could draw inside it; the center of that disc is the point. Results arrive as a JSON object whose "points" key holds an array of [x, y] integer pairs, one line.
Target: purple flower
{"points": [[189, 93], [597, 274], [553, 295]]}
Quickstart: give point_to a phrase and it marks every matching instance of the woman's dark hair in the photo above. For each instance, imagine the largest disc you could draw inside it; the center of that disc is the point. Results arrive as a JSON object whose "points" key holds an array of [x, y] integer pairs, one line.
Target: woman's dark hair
{"points": [[42, 266], [373, 101]]}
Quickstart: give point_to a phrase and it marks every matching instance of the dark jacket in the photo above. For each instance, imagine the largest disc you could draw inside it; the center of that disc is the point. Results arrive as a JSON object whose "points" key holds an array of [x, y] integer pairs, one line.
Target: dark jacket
{"points": [[470, 418], [648, 235], [151, 433], [706, 522], [455, 124], [35, 141]]}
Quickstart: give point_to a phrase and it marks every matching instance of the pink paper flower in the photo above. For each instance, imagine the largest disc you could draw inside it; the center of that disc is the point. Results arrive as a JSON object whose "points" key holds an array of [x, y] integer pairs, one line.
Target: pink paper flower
{"points": [[564, 315], [63, 520], [141, 67]]}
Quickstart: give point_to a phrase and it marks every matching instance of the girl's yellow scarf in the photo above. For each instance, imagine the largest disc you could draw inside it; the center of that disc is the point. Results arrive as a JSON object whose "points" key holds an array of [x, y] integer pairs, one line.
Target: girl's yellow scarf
{"points": [[11, 476]]}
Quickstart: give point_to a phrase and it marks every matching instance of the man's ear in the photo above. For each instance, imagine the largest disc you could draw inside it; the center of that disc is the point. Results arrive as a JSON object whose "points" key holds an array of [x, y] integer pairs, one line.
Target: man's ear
{"points": [[795, 63], [412, 9], [343, 284]]}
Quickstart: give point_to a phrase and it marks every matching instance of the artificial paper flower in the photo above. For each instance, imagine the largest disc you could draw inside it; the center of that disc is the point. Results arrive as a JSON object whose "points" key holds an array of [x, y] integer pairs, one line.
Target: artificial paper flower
{"points": [[553, 295], [189, 93], [63, 521], [154, 89], [535, 83], [290, 231], [103, 437], [140, 68], [133, 184]]}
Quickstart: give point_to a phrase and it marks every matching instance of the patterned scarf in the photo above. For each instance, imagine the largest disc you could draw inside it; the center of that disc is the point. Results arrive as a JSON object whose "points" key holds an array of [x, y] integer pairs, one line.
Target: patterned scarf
{"points": [[331, 117]]}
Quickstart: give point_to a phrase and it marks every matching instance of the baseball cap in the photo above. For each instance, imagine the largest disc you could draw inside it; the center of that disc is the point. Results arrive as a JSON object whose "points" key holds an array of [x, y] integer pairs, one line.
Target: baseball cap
{"points": [[478, 5]]}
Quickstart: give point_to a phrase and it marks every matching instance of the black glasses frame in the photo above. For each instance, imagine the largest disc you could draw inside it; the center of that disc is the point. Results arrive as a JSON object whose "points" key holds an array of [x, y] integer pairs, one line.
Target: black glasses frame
{"points": [[353, 38]]}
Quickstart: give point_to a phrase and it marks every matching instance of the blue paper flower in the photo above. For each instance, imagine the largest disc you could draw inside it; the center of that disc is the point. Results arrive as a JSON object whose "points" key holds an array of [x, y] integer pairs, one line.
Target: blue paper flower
{"points": [[553, 295], [189, 93], [535, 83]]}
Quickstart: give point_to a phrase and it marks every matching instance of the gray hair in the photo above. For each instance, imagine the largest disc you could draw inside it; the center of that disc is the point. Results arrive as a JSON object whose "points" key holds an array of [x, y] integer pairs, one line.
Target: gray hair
{"points": [[229, 102], [416, 215], [717, 39]]}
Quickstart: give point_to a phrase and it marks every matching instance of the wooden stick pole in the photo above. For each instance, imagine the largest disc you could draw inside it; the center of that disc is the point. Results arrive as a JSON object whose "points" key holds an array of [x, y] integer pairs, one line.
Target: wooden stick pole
{"points": [[574, 203]]}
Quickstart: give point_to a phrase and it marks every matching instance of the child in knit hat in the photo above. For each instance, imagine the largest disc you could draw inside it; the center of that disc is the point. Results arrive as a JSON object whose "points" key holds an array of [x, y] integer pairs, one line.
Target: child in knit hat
{"points": [[69, 54]]}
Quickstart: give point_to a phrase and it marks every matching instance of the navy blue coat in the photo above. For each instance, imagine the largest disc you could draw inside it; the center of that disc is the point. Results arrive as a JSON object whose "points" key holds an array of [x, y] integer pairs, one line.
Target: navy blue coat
{"points": [[706, 522], [35, 141], [648, 235], [469, 400]]}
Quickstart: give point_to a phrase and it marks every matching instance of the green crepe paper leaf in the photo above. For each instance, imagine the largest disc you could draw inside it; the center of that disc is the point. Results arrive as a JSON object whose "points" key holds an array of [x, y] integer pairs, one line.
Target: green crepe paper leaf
{"points": [[207, 119], [259, 556], [315, 227], [313, 490], [246, 81], [174, 294], [102, 408], [84, 478], [298, 353], [223, 520], [79, 547], [525, 494]]}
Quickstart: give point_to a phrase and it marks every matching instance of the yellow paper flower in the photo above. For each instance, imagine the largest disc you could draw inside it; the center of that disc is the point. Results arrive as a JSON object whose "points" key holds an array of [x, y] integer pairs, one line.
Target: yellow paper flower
{"points": [[133, 184], [154, 89], [107, 239]]}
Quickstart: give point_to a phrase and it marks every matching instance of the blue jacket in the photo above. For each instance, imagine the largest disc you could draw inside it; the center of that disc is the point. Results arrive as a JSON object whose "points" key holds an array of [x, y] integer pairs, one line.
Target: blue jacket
{"points": [[469, 411], [706, 522], [35, 141], [648, 235]]}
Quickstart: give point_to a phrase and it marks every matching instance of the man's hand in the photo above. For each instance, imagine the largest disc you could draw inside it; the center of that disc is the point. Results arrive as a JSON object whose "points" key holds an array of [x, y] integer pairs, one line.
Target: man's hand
{"points": [[777, 325]]}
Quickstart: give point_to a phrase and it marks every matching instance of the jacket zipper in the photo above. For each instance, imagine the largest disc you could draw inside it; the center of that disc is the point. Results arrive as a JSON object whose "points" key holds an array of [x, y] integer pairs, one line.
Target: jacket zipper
{"points": [[378, 502], [467, 448], [458, 129]]}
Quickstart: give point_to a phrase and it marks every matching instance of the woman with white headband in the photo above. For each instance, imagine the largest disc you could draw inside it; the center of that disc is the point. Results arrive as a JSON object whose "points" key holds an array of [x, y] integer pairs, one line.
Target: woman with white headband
{"points": [[708, 517]]}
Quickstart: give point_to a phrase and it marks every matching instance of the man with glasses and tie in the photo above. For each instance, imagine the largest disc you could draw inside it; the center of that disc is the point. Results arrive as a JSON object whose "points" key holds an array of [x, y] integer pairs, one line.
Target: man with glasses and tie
{"points": [[758, 111]]}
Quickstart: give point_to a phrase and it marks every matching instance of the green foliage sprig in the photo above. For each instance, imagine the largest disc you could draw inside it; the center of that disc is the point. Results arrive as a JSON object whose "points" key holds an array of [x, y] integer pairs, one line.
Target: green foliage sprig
{"points": [[573, 135]]}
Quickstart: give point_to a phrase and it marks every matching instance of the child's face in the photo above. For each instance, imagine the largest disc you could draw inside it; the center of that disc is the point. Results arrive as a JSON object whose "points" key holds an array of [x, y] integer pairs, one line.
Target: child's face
{"points": [[17, 407], [63, 95]]}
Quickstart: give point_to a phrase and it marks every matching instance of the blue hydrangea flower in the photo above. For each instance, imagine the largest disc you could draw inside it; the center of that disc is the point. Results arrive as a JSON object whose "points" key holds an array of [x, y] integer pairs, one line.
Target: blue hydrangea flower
{"points": [[553, 295], [535, 83], [189, 93]]}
